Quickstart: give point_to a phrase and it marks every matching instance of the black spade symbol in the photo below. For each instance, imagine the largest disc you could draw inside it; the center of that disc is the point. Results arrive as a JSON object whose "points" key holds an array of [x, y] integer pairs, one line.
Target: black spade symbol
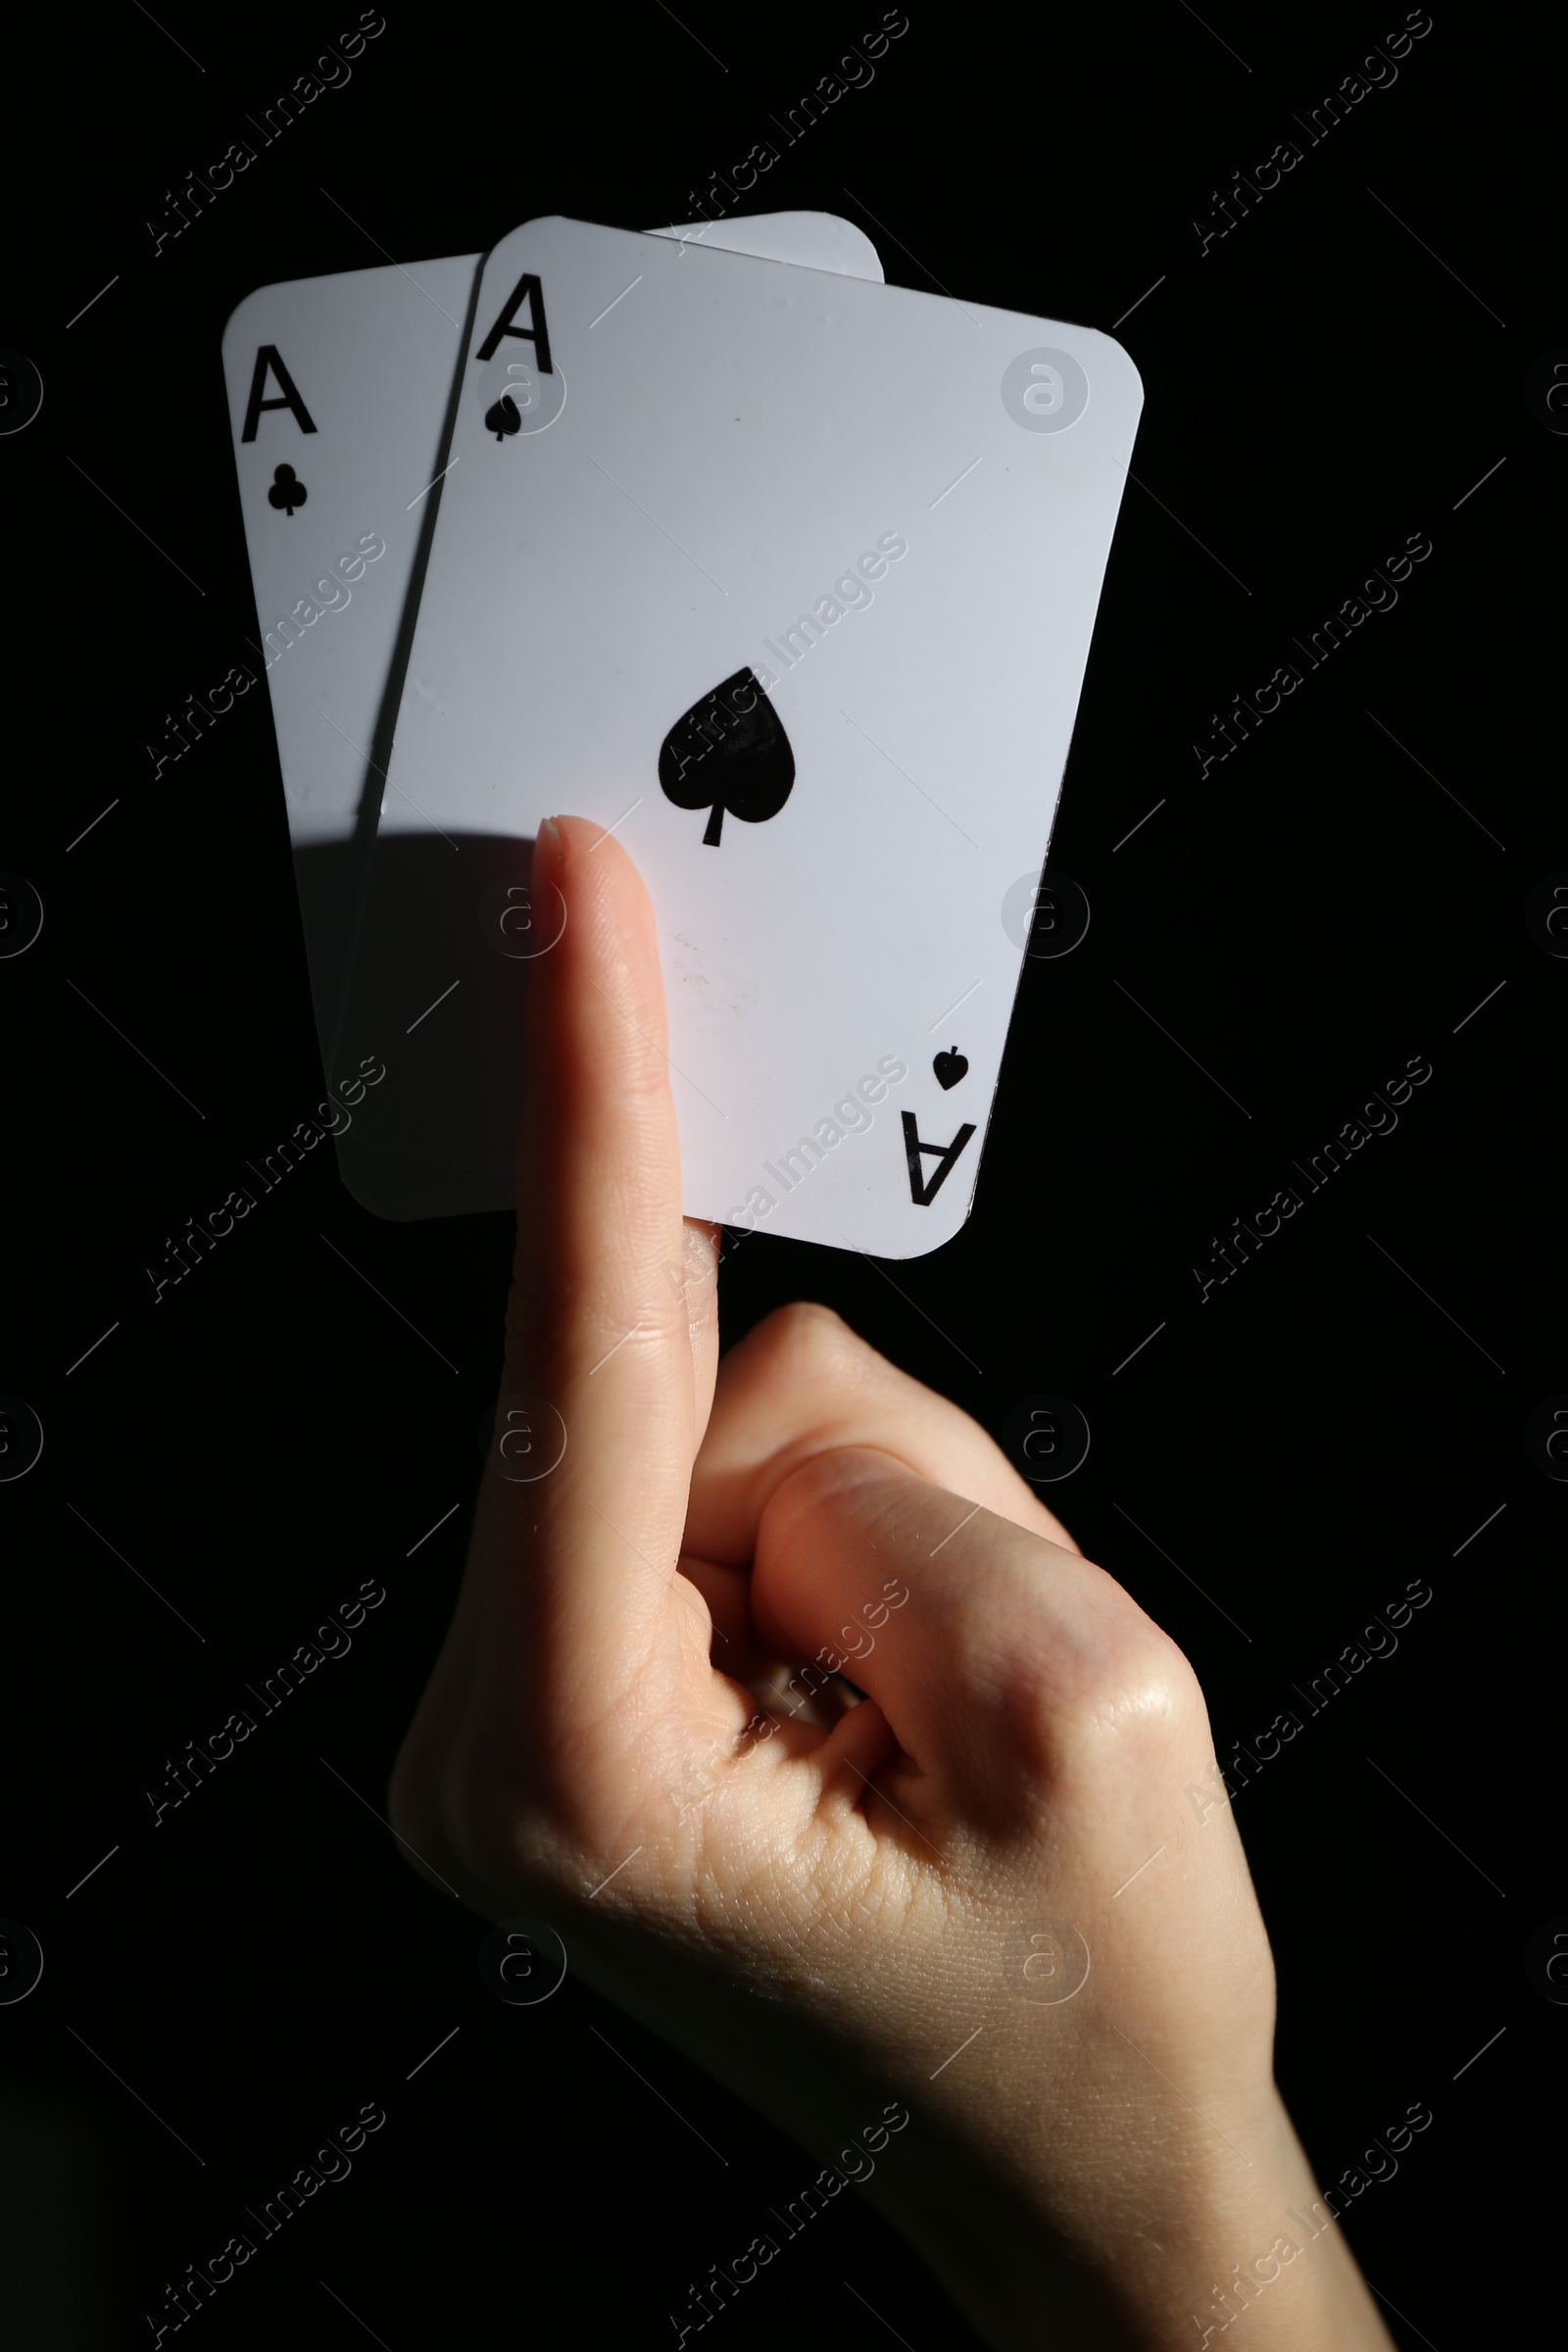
{"points": [[287, 491], [730, 751], [502, 417], [950, 1068]]}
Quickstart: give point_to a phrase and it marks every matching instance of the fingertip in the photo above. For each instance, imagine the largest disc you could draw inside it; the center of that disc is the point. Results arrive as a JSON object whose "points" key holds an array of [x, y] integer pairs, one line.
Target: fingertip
{"points": [[598, 1170], [859, 1746], [608, 909], [607, 940]]}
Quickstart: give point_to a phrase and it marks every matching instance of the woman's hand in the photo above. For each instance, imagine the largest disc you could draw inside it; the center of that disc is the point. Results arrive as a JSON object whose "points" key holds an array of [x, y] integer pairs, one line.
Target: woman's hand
{"points": [[826, 1898]]}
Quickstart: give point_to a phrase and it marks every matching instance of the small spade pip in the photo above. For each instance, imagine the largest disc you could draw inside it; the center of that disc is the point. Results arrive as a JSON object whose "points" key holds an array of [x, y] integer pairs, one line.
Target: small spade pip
{"points": [[287, 491], [949, 1068], [503, 417], [730, 751]]}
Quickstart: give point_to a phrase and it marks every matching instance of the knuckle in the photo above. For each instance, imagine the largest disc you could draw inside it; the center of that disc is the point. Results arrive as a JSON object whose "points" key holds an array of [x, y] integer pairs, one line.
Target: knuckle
{"points": [[1100, 1688], [401, 1807], [807, 1339], [477, 1823], [414, 1810], [485, 1822], [524, 1816]]}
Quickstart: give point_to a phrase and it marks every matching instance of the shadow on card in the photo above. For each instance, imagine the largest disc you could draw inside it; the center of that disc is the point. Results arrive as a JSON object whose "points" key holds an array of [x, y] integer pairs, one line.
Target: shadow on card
{"points": [[449, 929], [327, 881]]}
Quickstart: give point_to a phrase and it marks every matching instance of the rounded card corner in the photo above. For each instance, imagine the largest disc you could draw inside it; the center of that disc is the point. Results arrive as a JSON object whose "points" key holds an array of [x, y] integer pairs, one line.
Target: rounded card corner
{"points": [[1124, 357], [272, 285]]}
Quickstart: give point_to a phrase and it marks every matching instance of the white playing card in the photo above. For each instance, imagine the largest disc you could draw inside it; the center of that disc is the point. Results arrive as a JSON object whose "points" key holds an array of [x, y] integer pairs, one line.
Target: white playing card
{"points": [[338, 391], [674, 467], [346, 381], [805, 240]]}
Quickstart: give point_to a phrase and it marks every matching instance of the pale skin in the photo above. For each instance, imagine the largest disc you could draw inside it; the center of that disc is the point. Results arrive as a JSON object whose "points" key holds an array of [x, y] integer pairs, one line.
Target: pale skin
{"points": [[822, 1908]]}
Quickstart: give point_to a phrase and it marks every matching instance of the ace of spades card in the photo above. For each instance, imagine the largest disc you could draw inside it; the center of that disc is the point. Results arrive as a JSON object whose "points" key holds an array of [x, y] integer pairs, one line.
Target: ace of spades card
{"points": [[789, 579], [340, 391]]}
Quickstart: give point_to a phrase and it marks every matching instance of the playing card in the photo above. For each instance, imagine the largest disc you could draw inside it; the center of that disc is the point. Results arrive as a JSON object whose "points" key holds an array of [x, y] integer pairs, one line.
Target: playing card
{"points": [[804, 240], [790, 579], [340, 392]]}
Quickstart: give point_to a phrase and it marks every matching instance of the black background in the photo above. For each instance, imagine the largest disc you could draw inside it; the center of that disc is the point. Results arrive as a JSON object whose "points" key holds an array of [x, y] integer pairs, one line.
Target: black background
{"points": [[1337, 1420]]}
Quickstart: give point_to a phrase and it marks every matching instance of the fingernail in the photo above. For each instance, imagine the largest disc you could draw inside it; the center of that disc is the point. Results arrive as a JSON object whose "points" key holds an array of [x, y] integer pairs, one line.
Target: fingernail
{"points": [[551, 827]]}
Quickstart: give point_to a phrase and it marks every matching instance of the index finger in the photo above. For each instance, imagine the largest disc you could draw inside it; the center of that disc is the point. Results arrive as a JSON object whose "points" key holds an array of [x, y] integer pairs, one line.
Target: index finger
{"points": [[581, 1560]]}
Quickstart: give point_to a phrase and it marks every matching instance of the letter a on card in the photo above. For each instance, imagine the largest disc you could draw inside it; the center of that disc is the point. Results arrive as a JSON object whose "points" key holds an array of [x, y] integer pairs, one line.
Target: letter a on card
{"points": [[924, 1189]]}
